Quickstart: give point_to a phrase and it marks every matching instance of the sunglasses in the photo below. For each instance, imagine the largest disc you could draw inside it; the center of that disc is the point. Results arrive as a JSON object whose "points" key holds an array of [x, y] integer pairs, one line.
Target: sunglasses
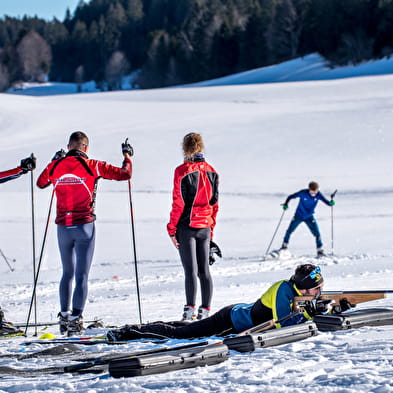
{"points": [[313, 273]]}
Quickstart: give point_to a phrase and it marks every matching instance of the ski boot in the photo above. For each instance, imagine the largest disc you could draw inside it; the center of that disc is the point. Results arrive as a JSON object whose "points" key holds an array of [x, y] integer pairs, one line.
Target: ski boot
{"points": [[75, 326], [189, 313], [63, 323], [321, 253], [203, 312], [125, 333]]}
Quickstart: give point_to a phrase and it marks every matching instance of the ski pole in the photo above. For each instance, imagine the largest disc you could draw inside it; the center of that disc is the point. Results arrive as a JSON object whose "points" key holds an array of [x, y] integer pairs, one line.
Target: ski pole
{"points": [[40, 260], [6, 260], [274, 234], [134, 248], [33, 242], [331, 216]]}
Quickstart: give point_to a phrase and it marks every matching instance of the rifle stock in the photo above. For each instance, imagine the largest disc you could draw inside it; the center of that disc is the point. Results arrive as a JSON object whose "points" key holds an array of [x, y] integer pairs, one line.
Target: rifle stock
{"points": [[353, 297], [268, 324], [259, 328]]}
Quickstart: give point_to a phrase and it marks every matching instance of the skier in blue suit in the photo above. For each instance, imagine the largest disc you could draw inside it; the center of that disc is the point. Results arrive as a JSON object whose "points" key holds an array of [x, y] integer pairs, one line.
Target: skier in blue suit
{"points": [[308, 200]]}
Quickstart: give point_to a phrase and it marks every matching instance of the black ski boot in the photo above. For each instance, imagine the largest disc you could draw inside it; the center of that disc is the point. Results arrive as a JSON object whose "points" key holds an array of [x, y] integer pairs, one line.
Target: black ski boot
{"points": [[125, 333], [63, 323], [7, 328], [321, 253], [75, 326]]}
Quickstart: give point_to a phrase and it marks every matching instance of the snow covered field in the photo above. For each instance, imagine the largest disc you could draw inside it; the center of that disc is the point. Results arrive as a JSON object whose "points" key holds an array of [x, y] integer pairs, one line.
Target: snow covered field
{"points": [[266, 141]]}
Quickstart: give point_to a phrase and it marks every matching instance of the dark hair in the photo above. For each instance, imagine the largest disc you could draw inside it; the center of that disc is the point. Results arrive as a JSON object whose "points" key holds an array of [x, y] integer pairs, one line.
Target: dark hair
{"points": [[78, 139], [313, 186]]}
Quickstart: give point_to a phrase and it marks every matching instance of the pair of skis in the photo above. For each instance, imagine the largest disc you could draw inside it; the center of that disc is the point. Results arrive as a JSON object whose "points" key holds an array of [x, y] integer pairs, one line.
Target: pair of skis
{"points": [[95, 365], [91, 365]]}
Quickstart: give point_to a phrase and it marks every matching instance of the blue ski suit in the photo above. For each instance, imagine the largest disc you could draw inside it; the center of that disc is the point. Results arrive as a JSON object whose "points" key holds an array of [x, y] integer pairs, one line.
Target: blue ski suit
{"points": [[305, 213]]}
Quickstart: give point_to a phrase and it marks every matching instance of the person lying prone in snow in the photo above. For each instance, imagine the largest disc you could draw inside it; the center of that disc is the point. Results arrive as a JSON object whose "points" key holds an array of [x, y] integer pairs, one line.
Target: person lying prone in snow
{"points": [[276, 303]]}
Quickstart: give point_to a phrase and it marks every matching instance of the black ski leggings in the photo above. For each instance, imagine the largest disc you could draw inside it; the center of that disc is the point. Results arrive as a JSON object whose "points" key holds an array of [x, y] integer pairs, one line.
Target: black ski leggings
{"points": [[218, 324], [194, 253]]}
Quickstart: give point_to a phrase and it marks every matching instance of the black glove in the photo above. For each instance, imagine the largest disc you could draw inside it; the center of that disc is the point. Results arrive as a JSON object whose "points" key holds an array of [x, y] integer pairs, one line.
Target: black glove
{"points": [[59, 154], [317, 306], [28, 164], [214, 249], [344, 306], [127, 148]]}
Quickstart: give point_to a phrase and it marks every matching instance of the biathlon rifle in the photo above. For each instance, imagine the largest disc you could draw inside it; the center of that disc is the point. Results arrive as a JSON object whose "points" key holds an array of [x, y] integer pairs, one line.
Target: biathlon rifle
{"points": [[268, 324], [335, 297]]}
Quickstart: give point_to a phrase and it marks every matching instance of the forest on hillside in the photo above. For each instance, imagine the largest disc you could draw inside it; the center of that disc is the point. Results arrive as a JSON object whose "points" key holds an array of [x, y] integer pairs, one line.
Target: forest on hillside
{"points": [[170, 42]]}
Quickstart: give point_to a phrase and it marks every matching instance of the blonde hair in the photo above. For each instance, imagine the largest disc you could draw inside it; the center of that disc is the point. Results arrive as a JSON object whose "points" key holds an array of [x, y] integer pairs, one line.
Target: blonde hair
{"points": [[192, 144]]}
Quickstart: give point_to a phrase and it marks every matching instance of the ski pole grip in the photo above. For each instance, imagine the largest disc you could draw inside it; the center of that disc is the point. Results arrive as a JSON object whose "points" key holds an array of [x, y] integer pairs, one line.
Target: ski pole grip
{"points": [[127, 148]]}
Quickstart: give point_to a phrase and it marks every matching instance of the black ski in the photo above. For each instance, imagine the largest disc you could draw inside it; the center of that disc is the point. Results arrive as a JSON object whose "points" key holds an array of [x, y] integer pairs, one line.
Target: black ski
{"points": [[90, 341], [52, 323]]}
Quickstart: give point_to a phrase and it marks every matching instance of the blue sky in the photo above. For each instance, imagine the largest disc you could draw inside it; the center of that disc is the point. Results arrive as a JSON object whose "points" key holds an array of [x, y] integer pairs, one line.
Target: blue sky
{"points": [[43, 8]]}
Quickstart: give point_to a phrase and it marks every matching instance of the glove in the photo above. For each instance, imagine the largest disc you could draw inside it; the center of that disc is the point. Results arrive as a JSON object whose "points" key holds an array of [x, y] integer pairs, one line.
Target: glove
{"points": [[344, 306], [332, 203], [59, 154], [214, 249], [28, 164], [127, 148], [284, 206], [317, 306]]}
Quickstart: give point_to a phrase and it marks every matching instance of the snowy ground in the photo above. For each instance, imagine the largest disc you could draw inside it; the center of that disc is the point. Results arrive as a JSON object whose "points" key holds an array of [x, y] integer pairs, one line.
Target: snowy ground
{"points": [[307, 68], [266, 141]]}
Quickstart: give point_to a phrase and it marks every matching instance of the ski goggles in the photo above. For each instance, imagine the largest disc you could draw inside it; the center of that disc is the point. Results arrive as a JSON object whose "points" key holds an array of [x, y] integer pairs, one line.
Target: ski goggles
{"points": [[313, 273]]}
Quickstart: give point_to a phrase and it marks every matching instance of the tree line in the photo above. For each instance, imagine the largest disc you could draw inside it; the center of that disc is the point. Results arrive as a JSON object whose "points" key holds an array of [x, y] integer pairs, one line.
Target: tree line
{"points": [[170, 42]]}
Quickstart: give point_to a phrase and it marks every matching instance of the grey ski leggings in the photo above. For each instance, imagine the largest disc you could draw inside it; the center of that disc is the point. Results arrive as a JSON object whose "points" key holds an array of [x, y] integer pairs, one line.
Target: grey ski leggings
{"points": [[194, 253], [76, 245]]}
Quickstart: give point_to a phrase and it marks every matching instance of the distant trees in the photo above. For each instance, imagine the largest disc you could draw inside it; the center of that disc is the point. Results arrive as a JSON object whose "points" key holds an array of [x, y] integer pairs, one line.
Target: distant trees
{"points": [[4, 78], [183, 41], [34, 56], [116, 68]]}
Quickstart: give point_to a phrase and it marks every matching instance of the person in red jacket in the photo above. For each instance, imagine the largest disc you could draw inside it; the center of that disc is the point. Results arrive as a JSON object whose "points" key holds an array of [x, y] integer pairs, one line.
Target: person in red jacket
{"points": [[192, 221], [74, 177], [26, 165]]}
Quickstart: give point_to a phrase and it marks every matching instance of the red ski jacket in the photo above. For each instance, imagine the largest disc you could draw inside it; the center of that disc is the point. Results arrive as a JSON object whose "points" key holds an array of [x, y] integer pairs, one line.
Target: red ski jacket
{"points": [[11, 174], [195, 196], [74, 178]]}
